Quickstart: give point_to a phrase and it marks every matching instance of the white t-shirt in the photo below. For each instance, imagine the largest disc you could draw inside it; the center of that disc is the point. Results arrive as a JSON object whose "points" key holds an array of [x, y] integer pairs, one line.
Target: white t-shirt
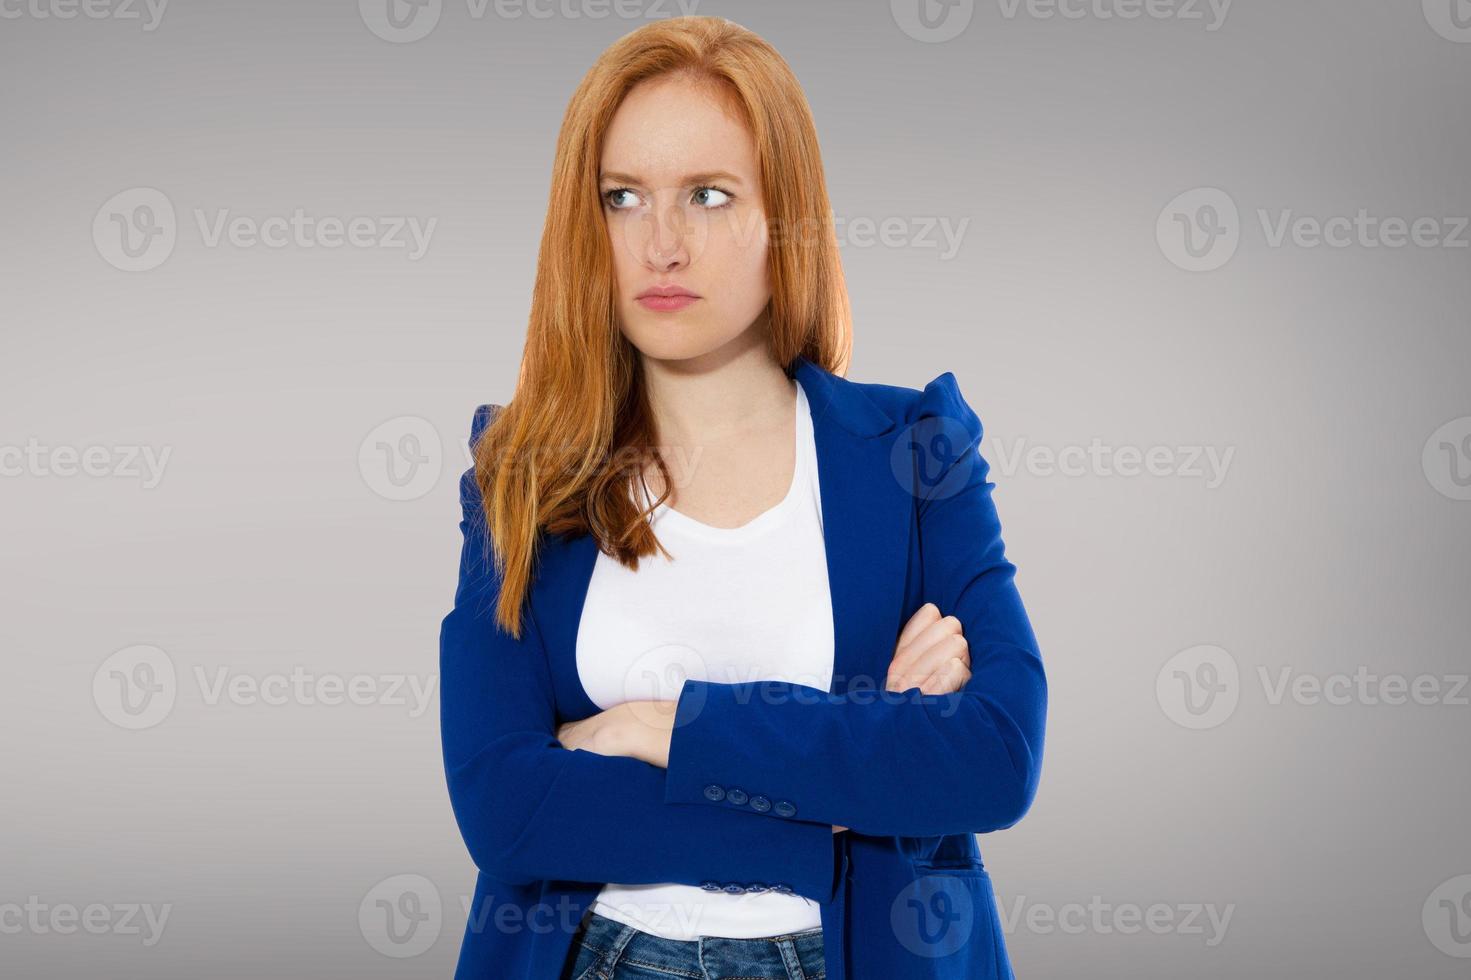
{"points": [[740, 604]]}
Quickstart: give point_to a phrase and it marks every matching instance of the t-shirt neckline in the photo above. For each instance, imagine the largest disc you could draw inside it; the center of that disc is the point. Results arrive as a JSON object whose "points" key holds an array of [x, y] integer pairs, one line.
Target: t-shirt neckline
{"points": [[802, 427]]}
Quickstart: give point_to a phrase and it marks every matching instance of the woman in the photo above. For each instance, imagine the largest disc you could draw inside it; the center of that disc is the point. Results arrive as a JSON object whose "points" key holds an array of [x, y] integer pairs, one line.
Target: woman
{"points": [[702, 714]]}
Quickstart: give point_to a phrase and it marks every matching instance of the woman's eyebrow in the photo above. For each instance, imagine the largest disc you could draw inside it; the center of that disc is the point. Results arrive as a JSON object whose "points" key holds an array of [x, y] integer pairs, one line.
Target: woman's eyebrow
{"points": [[706, 177]]}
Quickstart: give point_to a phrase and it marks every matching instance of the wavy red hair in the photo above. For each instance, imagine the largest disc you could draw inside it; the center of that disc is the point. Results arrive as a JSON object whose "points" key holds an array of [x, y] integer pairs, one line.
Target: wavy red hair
{"points": [[559, 456]]}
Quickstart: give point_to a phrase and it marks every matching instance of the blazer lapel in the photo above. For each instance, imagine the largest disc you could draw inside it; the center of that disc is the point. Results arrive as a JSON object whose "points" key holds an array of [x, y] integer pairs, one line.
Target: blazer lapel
{"points": [[867, 521]]}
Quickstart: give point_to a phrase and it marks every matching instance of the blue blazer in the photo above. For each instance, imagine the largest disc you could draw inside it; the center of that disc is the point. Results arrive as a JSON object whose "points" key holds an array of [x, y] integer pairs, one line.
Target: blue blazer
{"points": [[759, 772]]}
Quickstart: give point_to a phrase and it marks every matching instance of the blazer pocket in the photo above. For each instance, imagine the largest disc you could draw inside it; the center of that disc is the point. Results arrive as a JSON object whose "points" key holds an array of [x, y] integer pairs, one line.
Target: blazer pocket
{"points": [[949, 917], [949, 866]]}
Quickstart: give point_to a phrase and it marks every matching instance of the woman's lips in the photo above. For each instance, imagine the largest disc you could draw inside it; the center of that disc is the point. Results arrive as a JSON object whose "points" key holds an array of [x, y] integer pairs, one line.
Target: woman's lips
{"points": [[666, 304]]}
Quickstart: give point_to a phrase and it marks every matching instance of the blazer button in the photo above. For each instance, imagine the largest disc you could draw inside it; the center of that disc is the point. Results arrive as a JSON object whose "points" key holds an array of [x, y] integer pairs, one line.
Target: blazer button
{"points": [[785, 809], [735, 889], [714, 792], [760, 804], [736, 796], [710, 886], [756, 886], [781, 888]]}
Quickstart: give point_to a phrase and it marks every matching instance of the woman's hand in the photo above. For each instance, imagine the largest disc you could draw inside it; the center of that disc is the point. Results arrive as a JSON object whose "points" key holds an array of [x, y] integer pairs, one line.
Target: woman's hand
{"points": [[637, 729], [600, 733], [932, 654]]}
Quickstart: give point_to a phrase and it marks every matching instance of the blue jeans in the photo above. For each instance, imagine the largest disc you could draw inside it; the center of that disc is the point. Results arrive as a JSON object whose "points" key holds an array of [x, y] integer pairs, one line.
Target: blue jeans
{"points": [[609, 950]]}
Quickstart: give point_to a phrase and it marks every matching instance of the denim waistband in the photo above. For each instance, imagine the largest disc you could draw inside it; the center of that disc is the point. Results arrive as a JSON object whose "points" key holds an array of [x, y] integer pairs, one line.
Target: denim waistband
{"points": [[796, 955]]}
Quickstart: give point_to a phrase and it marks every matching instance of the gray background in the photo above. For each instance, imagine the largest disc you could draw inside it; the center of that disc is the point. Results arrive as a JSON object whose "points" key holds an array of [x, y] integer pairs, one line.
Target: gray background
{"points": [[268, 544]]}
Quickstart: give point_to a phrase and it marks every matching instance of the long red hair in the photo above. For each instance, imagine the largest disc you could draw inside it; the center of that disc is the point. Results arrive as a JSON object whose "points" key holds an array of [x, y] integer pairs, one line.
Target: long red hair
{"points": [[559, 456]]}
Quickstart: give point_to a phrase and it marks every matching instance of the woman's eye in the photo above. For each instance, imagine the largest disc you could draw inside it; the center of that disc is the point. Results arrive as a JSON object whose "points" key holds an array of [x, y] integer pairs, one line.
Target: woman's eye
{"points": [[721, 197], [709, 198], [611, 197]]}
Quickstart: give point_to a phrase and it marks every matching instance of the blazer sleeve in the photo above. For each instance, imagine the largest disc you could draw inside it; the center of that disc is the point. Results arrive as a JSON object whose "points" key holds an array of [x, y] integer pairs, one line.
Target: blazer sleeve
{"points": [[530, 809], [896, 763]]}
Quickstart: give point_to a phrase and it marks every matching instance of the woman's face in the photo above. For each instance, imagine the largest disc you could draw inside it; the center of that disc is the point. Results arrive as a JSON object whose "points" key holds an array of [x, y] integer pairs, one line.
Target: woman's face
{"points": [[682, 205]]}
